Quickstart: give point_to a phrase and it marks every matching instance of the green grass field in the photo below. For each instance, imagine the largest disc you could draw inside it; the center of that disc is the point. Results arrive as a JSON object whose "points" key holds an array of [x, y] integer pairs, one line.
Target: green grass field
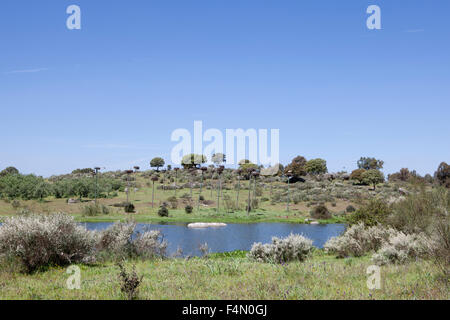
{"points": [[205, 212], [233, 276]]}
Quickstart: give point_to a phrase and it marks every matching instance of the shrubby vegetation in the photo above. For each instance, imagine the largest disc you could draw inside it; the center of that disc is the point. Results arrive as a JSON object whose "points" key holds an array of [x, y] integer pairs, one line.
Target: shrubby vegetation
{"points": [[38, 241], [416, 227], [359, 240], [292, 248], [402, 247], [320, 212], [120, 241], [43, 240], [371, 214], [443, 174], [95, 209]]}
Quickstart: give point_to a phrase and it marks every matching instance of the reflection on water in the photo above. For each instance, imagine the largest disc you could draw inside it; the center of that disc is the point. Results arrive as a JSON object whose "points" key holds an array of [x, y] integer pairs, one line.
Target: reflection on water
{"points": [[233, 236]]}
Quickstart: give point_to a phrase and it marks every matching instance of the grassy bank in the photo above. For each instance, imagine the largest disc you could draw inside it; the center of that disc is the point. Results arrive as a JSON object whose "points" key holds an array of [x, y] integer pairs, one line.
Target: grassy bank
{"points": [[233, 276], [179, 216]]}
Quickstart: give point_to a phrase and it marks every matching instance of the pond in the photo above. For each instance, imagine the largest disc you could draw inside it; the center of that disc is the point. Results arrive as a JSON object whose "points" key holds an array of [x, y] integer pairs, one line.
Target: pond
{"points": [[233, 236]]}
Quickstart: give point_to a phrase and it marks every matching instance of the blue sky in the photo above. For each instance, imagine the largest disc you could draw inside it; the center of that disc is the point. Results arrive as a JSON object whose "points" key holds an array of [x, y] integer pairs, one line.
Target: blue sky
{"points": [[111, 93]]}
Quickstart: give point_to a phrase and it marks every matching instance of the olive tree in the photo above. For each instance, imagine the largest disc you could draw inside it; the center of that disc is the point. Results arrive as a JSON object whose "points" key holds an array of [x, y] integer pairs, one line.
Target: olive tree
{"points": [[157, 163], [316, 166], [372, 177]]}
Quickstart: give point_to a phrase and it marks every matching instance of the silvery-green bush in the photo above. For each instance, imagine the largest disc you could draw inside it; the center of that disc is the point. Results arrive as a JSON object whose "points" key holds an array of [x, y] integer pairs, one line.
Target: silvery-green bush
{"points": [[121, 241], [403, 247], [43, 240], [294, 247], [359, 240]]}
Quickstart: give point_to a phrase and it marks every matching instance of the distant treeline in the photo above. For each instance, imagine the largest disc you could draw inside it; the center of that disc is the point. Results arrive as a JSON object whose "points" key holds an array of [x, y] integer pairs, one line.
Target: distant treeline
{"points": [[14, 185]]}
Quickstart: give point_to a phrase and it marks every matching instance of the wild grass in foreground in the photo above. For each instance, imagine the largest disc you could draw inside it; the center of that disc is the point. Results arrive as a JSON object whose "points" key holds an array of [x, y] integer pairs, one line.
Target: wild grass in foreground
{"points": [[233, 276]]}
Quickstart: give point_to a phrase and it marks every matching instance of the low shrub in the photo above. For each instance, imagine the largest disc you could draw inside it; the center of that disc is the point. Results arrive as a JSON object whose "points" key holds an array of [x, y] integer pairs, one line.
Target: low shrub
{"points": [[293, 247], [350, 209], [163, 211], [374, 212], [320, 212], [173, 202], [359, 240], [419, 212], [129, 207], [43, 240], [129, 282], [402, 247], [15, 204], [95, 209], [188, 209], [120, 241]]}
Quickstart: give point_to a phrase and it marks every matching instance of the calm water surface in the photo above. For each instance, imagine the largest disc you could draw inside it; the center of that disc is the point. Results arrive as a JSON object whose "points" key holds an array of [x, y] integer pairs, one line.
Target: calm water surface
{"points": [[233, 236]]}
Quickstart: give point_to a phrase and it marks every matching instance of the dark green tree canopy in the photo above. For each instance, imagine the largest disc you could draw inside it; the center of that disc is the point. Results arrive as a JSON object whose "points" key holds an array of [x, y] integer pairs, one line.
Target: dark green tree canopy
{"points": [[8, 171], [83, 171], [157, 163], [373, 177], [316, 166]]}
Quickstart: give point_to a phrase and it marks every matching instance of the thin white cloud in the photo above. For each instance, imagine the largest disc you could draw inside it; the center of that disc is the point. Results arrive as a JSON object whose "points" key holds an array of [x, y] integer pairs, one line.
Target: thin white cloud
{"points": [[27, 71]]}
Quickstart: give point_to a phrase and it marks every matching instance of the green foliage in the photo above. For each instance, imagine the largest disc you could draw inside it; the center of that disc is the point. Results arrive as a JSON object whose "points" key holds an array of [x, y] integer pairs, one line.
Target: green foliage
{"points": [[372, 177], [374, 212], [173, 202], [84, 171], [163, 211], [84, 187], [368, 163], [95, 209], [157, 163], [316, 166], [129, 282], [357, 175], [8, 171], [229, 254], [26, 187], [188, 209], [350, 208], [443, 174], [420, 211]]}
